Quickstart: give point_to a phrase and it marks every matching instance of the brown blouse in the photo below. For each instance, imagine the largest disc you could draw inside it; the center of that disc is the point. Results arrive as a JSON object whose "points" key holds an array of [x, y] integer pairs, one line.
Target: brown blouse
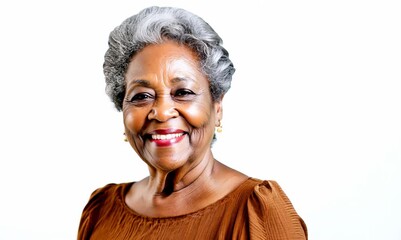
{"points": [[255, 210]]}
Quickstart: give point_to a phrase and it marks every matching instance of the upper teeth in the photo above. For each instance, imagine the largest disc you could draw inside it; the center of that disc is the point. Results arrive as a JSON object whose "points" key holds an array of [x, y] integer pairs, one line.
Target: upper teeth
{"points": [[166, 136]]}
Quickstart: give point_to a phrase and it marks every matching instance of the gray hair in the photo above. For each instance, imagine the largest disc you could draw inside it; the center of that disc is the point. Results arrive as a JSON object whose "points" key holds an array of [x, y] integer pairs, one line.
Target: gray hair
{"points": [[155, 25]]}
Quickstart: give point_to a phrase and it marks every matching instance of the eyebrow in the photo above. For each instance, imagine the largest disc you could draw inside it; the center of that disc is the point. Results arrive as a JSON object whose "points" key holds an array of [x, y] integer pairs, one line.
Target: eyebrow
{"points": [[182, 79], [140, 82], [146, 83]]}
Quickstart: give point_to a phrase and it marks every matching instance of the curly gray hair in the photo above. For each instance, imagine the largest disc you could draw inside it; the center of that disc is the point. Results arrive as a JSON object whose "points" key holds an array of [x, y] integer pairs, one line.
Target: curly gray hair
{"points": [[154, 25]]}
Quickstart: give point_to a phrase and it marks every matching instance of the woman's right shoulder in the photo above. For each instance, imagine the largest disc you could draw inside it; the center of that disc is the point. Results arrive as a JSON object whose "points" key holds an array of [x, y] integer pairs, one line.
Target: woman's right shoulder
{"points": [[106, 193], [103, 191], [98, 202]]}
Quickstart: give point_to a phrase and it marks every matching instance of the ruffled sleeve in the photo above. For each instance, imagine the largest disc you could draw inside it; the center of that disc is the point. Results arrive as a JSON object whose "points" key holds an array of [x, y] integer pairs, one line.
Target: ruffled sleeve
{"points": [[90, 214], [272, 216]]}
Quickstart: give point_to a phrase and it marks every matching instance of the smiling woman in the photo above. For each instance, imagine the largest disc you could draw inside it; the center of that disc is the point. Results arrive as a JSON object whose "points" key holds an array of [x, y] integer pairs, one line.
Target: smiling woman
{"points": [[168, 111], [167, 71]]}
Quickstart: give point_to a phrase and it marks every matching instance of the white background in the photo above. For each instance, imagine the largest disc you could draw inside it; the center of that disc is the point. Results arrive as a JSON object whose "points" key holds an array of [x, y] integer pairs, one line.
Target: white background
{"points": [[315, 104]]}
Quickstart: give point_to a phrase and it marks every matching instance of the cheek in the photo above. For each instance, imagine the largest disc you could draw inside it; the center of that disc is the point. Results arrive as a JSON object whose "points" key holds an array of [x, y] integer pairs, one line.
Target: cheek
{"points": [[199, 115], [133, 121]]}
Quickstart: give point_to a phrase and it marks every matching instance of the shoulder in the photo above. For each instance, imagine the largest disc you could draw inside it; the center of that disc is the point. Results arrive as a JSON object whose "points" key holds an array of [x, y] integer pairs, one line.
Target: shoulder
{"points": [[271, 213], [106, 193], [268, 191], [98, 202], [109, 189]]}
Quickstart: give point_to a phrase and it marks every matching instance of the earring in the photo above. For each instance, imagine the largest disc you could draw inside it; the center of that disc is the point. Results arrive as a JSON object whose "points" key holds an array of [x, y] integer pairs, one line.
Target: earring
{"points": [[219, 128], [125, 138]]}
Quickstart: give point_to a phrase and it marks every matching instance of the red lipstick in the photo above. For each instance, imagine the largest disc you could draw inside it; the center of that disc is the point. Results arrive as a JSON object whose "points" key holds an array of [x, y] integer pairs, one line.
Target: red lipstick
{"points": [[166, 137]]}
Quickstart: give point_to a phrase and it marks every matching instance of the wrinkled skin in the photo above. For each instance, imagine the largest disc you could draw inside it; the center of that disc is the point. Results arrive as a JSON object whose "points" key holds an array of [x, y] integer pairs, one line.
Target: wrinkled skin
{"points": [[169, 119]]}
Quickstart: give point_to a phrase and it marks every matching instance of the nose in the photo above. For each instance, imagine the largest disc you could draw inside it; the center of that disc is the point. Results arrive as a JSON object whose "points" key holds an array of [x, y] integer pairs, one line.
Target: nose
{"points": [[163, 109]]}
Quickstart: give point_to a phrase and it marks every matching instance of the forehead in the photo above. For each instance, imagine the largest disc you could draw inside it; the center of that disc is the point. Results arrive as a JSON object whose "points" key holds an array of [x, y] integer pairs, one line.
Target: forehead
{"points": [[168, 56]]}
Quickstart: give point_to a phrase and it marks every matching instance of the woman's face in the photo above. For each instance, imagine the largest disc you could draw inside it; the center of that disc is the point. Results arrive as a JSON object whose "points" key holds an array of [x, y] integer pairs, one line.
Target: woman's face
{"points": [[169, 115]]}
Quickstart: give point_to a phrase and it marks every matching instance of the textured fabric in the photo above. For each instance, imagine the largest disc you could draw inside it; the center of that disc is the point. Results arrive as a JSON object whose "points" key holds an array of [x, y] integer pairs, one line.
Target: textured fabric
{"points": [[255, 210]]}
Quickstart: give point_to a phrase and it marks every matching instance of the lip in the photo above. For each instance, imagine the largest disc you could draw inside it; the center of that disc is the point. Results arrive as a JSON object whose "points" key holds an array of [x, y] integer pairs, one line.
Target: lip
{"points": [[166, 131], [166, 142]]}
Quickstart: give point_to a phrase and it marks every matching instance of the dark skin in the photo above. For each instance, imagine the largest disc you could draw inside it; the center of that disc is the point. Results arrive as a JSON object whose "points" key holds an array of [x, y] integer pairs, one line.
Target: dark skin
{"points": [[170, 119]]}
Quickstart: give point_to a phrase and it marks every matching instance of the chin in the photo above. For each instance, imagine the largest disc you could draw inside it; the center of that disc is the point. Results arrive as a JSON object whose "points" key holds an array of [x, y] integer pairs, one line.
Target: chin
{"points": [[167, 162], [168, 165]]}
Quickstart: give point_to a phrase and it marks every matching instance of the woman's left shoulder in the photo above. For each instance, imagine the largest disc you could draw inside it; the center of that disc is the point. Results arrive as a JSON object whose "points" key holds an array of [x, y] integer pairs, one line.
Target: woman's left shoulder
{"points": [[270, 209], [267, 194], [267, 190]]}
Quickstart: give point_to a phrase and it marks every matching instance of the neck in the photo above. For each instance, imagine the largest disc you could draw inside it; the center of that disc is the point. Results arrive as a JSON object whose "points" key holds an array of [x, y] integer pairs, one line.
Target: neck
{"points": [[185, 190], [185, 179]]}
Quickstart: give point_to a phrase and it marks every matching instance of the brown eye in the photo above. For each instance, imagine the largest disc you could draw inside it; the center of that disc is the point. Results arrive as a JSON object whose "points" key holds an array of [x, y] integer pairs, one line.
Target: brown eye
{"points": [[141, 97], [183, 92]]}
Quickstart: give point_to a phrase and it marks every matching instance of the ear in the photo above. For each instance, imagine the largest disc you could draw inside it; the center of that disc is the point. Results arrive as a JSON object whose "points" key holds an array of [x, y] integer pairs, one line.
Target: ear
{"points": [[218, 108]]}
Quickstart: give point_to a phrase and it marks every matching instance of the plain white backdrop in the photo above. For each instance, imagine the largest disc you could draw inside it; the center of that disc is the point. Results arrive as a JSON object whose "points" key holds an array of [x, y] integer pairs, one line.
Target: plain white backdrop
{"points": [[315, 104]]}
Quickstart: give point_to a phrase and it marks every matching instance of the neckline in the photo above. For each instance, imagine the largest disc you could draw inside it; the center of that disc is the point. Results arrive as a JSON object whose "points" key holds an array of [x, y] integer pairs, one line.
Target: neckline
{"points": [[125, 188]]}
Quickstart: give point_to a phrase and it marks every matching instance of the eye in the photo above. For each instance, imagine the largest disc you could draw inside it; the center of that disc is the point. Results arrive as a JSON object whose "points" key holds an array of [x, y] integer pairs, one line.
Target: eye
{"points": [[183, 93], [140, 97]]}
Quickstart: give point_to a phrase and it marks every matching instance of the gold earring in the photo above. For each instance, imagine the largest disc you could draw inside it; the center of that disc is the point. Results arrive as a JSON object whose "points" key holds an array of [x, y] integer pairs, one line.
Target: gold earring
{"points": [[125, 138], [219, 128]]}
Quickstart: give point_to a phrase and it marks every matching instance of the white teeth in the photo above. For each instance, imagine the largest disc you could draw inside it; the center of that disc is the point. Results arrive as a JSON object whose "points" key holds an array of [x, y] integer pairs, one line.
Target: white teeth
{"points": [[166, 136]]}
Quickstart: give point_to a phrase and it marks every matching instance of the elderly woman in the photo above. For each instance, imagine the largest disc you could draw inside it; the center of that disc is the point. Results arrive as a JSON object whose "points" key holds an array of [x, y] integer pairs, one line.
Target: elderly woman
{"points": [[167, 71]]}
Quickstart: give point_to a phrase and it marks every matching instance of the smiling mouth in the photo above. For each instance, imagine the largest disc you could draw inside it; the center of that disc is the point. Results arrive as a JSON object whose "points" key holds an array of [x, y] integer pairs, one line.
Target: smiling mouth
{"points": [[166, 136]]}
